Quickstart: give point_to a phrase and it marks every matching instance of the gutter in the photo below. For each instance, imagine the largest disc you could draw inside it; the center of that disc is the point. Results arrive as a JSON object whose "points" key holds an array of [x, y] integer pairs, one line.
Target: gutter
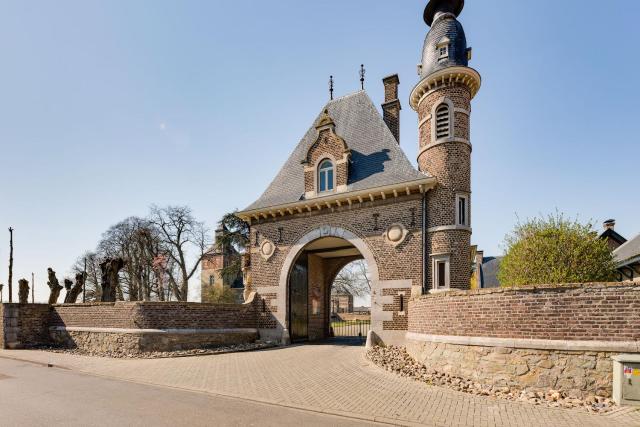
{"points": [[420, 186]]}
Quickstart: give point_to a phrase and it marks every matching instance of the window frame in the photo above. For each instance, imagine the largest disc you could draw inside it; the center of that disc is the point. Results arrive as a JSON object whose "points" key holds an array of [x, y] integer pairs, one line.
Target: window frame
{"points": [[435, 138], [326, 175], [467, 212], [435, 263]]}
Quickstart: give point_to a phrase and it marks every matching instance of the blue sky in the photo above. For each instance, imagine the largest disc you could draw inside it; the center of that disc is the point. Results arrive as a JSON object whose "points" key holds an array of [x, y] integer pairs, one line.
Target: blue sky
{"points": [[108, 107]]}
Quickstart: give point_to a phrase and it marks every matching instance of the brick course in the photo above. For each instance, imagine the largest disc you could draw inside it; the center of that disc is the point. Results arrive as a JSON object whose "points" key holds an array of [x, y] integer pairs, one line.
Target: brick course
{"points": [[155, 315], [606, 312]]}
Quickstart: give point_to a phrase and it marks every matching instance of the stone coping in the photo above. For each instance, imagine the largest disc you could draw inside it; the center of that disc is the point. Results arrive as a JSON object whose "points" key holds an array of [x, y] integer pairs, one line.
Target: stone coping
{"points": [[538, 344], [151, 303], [156, 331], [530, 289]]}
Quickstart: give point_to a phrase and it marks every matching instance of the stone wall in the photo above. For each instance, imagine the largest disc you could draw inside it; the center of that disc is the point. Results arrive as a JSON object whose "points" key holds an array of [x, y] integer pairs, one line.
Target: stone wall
{"points": [[23, 325], [141, 341], [578, 373], [532, 338]]}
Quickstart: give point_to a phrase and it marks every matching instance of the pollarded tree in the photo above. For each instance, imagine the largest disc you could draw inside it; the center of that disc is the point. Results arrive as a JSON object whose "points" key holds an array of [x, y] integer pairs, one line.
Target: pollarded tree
{"points": [[555, 250]]}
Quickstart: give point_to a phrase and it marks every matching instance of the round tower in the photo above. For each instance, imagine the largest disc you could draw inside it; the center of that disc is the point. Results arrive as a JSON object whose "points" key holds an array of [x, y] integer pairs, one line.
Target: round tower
{"points": [[442, 100]]}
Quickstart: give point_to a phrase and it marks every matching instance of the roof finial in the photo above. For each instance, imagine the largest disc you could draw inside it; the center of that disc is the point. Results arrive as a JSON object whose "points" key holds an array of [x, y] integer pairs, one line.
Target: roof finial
{"points": [[331, 87], [362, 73]]}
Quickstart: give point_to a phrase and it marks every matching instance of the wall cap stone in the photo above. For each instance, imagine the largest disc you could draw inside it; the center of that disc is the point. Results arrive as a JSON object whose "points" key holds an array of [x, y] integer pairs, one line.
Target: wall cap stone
{"points": [[156, 331], [532, 289], [538, 344]]}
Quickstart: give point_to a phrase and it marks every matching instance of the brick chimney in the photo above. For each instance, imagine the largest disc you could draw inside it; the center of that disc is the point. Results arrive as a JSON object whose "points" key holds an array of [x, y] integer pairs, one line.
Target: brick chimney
{"points": [[610, 224], [391, 107]]}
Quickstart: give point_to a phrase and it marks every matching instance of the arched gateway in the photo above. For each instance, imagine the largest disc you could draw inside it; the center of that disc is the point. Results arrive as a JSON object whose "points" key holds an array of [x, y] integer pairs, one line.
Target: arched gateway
{"points": [[349, 180], [308, 272]]}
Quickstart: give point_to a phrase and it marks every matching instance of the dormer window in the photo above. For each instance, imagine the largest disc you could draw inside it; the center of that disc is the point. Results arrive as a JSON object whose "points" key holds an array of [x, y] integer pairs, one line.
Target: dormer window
{"points": [[443, 48], [326, 176]]}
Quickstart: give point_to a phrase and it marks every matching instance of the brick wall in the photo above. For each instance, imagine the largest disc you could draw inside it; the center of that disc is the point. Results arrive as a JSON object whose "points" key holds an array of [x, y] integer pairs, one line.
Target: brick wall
{"points": [[23, 325], [151, 315], [368, 221], [606, 312]]}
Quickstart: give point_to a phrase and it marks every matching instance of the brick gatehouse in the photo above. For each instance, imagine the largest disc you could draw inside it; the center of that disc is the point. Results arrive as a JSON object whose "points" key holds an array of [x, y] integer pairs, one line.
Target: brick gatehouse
{"points": [[348, 191]]}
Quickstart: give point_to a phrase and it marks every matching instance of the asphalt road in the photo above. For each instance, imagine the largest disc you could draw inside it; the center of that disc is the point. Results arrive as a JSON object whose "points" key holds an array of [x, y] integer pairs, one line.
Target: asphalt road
{"points": [[36, 395]]}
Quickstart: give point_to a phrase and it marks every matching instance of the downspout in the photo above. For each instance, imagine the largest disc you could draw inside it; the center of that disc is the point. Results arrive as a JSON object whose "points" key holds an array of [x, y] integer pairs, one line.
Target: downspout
{"points": [[425, 250]]}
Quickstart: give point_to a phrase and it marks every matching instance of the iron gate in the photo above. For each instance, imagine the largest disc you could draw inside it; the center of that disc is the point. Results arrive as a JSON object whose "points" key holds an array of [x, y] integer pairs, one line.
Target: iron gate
{"points": [[350, 328]]}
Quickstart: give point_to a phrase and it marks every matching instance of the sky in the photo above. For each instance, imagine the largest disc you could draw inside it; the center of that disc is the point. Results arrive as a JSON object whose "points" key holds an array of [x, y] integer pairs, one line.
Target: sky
{"points": [[107, 107]]}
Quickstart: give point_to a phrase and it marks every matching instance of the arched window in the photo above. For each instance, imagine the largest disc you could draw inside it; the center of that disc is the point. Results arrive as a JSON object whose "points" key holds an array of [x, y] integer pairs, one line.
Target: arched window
{"points": [[442, 121], [325, 176]]}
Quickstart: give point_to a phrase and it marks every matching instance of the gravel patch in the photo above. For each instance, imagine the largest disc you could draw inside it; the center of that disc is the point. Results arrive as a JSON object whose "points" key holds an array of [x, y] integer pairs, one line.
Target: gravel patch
{"points": [[398, 361]]}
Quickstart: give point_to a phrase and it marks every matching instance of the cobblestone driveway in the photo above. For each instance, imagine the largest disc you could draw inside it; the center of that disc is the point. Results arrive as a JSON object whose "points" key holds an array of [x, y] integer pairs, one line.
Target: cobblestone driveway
{"points": [[330, 378]]}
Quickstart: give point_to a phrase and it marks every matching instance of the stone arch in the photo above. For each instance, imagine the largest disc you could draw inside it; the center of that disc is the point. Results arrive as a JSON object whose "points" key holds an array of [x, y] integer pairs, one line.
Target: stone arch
{"points": [[315, 234]]}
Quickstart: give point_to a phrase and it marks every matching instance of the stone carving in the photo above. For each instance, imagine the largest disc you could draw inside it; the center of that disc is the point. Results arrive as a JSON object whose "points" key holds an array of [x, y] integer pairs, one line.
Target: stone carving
{"points": [[54, 285], [109, 280], [72, 292], [395, 234], [23, 291], [267, 249]]}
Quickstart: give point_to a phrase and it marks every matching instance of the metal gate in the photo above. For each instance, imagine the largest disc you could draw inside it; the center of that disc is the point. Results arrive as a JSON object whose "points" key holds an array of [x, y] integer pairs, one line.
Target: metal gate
{"points": [[350, 328]]}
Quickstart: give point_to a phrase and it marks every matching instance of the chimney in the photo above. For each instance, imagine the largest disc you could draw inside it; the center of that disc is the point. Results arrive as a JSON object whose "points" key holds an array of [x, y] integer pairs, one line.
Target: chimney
{"points": [[391, 107], [479, 257], [610, 224]]}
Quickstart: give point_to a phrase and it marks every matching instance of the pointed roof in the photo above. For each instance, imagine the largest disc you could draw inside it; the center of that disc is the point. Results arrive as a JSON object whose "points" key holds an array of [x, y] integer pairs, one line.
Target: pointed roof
{"points": [[376, 158]]}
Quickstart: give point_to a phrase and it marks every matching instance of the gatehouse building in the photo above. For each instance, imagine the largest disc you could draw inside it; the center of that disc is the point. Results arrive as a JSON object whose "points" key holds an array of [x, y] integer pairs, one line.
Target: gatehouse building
{"points": [[349, 192]]}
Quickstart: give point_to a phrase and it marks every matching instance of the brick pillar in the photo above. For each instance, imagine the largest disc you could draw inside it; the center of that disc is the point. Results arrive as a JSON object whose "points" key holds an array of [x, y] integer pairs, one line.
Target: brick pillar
{"points": [[391, 107]]}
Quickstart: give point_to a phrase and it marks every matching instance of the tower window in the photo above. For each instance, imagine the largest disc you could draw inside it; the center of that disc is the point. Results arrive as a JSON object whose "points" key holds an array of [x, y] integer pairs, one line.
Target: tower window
{"points": [[211, 280], [441, 272], [325, 176], [443, 48], [442, 122], [462, 210]]}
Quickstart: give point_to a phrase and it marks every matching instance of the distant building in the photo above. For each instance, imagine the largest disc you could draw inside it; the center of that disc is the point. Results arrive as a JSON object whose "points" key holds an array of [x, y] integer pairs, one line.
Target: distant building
{"points": [[627, 257], [485, 271], [625, 253], [213, 263], [341, 303], [614, 240]]}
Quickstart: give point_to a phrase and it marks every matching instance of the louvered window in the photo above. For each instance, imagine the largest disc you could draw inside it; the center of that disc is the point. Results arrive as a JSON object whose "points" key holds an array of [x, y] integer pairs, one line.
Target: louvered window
{"points": [[442, 121]]}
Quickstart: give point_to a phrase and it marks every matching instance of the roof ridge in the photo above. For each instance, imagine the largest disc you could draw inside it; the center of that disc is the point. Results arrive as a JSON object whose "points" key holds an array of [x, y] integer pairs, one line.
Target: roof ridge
{"points": [[343, 97]]}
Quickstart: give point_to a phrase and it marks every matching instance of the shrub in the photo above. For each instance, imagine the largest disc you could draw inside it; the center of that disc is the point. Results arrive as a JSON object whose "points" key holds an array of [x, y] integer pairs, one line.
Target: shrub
{"points": [[555, 250]]}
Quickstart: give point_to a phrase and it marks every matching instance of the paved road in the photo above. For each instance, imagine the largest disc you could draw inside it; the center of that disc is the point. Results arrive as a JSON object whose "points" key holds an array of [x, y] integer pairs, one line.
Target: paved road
{"points": [[328, 378], [35, 395]]}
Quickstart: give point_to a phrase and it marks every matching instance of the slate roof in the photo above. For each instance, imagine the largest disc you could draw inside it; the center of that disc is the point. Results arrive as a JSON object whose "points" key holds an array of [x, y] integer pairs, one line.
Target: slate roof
{"points": [[376, 158], [629, 250], [445, 25]]}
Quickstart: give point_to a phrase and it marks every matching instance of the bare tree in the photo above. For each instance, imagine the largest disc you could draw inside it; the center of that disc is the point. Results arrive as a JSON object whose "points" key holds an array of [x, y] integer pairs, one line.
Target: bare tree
{"points": [[93, 291], [353, 279], [180, 234]]}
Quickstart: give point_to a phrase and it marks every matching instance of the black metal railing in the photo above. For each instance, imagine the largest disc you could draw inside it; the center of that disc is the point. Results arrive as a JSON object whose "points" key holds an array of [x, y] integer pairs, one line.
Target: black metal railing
{"points": [[350, 328]]}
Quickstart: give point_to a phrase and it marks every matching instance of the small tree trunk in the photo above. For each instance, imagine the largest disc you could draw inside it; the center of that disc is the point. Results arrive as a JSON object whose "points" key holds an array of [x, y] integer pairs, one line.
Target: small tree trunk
{"points": [[23, 291]]}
